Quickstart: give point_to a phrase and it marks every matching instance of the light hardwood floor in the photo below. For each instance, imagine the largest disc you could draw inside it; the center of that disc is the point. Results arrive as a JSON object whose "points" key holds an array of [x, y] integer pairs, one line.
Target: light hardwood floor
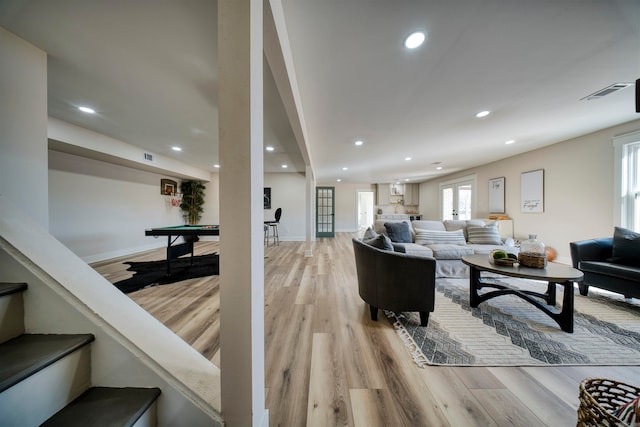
{"points": [[328, 364]]}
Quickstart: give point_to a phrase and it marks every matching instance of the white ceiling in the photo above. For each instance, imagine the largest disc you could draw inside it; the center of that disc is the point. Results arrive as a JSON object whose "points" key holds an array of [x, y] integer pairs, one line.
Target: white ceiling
{"points": [[149, 69]]}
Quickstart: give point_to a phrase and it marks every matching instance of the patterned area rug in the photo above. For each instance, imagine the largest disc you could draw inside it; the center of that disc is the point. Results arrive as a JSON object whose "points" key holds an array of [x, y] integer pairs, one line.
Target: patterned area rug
{"points": [[508, 331]]}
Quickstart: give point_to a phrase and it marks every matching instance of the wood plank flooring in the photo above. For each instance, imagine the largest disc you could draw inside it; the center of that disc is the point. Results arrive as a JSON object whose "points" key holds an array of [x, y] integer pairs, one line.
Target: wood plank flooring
{"points": [[328, 364]]}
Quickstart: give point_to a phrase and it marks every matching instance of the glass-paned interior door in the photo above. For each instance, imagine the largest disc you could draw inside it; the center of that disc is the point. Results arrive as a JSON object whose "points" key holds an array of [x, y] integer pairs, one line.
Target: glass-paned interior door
{"points": [[325, 213], [457, 200]]}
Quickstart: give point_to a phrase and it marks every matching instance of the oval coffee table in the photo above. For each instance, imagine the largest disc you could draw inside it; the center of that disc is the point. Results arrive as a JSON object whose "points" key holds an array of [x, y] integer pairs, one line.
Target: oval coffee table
{"points": [[553, 274]]}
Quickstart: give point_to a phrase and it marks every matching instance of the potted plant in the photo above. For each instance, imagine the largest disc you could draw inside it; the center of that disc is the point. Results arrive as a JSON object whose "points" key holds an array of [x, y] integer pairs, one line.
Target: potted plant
{"points": [[192, 200]]}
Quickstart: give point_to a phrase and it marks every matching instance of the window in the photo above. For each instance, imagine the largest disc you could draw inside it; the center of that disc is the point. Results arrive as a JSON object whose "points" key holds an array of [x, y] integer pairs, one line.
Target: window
{"points": [[627, 180]]}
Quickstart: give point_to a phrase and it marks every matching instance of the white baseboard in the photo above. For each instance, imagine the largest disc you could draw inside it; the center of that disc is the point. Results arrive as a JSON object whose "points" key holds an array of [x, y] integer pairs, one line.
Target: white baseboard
{"points": [[123, 252]]}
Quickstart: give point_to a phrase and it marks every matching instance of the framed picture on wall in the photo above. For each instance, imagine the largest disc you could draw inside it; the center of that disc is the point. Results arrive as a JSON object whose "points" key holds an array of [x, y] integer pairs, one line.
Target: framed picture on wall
{"points": [[267, 197], [532, 191], [496, 195], [168, 186]]}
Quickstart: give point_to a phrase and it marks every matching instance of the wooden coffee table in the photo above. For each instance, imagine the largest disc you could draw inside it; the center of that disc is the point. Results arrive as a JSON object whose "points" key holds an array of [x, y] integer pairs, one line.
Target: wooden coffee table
{"points": [[553, 274]]}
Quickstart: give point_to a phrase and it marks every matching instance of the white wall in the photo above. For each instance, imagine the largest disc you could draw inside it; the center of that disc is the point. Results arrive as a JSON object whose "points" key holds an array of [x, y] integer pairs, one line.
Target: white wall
{"points": [[287, 192], [211, 214], [100, 210], [23, 126], [578, 189], [346, 204]]}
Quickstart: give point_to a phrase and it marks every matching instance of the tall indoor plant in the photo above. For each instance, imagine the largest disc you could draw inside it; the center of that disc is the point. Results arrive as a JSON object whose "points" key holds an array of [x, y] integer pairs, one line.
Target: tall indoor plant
{"points": [[192, 200]]}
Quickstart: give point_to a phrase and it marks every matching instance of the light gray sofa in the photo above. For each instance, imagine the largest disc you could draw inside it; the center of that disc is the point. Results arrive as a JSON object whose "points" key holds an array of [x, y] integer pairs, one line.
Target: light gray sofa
{"points": [[442, 241]]}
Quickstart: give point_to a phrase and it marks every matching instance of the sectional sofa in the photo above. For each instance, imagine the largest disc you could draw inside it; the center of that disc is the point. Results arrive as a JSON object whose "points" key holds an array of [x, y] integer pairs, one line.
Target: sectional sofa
{"points": [[446, 241]]}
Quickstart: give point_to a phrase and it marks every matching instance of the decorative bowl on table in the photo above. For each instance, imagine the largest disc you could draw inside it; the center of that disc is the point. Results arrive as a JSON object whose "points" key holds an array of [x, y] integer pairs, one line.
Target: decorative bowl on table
{"points": [[502, 257]]}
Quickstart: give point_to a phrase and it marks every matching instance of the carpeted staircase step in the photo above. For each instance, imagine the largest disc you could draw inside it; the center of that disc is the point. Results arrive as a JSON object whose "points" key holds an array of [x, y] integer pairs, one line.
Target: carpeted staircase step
{"points": [[27, 354], [11, 288], [105, 406]]}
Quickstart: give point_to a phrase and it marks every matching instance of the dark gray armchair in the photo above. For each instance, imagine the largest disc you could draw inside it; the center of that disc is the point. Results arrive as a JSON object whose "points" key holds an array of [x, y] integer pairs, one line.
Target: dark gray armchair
{"points": [[594, 258], [395, 281]]}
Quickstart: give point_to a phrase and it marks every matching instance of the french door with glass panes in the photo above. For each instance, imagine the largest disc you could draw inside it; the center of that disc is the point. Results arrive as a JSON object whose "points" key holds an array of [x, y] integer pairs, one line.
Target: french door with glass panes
{"points": [[325, 214], [456, 199]]}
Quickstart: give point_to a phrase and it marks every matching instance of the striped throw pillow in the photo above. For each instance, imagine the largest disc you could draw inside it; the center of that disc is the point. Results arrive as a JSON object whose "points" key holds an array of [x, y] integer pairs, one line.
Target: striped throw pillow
{"points": [[487, 235], [433, 237]]}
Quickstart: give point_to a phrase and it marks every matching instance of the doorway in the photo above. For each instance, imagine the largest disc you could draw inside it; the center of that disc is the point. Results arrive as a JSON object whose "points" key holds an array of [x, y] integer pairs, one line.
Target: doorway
{"points": [[457, 199], [365, 210], [325, 212]]}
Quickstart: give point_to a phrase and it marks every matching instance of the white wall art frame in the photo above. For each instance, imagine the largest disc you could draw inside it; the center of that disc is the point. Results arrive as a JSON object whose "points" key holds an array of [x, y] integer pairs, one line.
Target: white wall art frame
{"points": [[532, 191], [496, 195]]}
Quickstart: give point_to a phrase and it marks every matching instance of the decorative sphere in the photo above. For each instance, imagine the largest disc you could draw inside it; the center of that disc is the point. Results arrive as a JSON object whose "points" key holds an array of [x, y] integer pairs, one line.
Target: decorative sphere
{"points": [[551, 253]]}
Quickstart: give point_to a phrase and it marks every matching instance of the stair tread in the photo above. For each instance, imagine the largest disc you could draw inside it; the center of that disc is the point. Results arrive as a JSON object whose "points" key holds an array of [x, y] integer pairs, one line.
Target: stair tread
{"points": [[11, 288], [105, 406], [27, 354]]}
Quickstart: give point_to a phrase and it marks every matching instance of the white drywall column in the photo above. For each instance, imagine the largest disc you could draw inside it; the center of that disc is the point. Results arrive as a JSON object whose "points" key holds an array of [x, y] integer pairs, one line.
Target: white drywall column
{"points": [[310, 203], [23, 127], [241, 212]]}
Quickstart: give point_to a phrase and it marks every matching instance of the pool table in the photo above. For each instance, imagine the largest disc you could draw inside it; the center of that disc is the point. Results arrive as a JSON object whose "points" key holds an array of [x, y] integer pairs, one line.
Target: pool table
{"points": [[174, 232]]}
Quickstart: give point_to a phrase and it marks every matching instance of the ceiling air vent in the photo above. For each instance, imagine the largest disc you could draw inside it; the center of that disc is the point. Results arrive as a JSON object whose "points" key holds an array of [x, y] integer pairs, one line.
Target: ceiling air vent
{"points": [[148, 157], [606, 91]]}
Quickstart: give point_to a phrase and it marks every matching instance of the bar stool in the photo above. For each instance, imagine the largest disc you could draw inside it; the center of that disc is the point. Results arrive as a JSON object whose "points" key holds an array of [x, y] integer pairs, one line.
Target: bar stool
{"points": [[273, 226]]}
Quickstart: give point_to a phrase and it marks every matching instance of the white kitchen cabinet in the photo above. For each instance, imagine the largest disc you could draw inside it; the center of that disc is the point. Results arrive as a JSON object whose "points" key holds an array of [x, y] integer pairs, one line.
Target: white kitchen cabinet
{"points": [[412, 194], [399, 217], [398, 194], [383, 194]]}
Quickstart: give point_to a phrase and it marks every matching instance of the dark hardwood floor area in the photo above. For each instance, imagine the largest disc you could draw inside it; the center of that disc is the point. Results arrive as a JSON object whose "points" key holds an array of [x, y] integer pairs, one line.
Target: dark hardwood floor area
{"points": [[328, 364]]}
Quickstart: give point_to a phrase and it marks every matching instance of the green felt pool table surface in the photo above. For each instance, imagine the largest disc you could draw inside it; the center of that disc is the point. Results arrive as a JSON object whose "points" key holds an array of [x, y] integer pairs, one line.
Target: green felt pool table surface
{"points": [[184, 230]]}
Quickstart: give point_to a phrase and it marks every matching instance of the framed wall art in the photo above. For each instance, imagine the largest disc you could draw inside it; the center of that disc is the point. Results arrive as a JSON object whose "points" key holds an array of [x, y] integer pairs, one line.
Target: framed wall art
{"points": [[532, 191], [267, 197], [496, 195], [168, 186]]}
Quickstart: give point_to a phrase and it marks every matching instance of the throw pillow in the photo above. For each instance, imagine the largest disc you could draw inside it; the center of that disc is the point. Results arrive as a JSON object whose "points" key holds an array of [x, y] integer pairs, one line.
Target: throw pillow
{"points": [[487, 235], [381, 242], [432, 237], [629, 413], [369, 234], [398, 232], [460, 224], [450, 251], [626, 247]]}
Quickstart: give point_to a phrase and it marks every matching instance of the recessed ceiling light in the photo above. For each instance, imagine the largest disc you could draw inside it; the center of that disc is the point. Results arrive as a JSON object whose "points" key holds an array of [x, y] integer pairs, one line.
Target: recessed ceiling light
{"points": [[87, 110], [511, 141], [176, 148], [407, 158], [339, 180], [406, 179], [269, 148], [414, 40], [484, 113], [345, 168], [359, 142], [216, 166], [439, 168], [284, 166]]}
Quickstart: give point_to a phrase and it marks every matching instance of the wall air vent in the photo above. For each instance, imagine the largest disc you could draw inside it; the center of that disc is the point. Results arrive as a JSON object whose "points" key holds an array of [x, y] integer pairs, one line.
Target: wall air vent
{"points": [[148, 157], [606, 91]]}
